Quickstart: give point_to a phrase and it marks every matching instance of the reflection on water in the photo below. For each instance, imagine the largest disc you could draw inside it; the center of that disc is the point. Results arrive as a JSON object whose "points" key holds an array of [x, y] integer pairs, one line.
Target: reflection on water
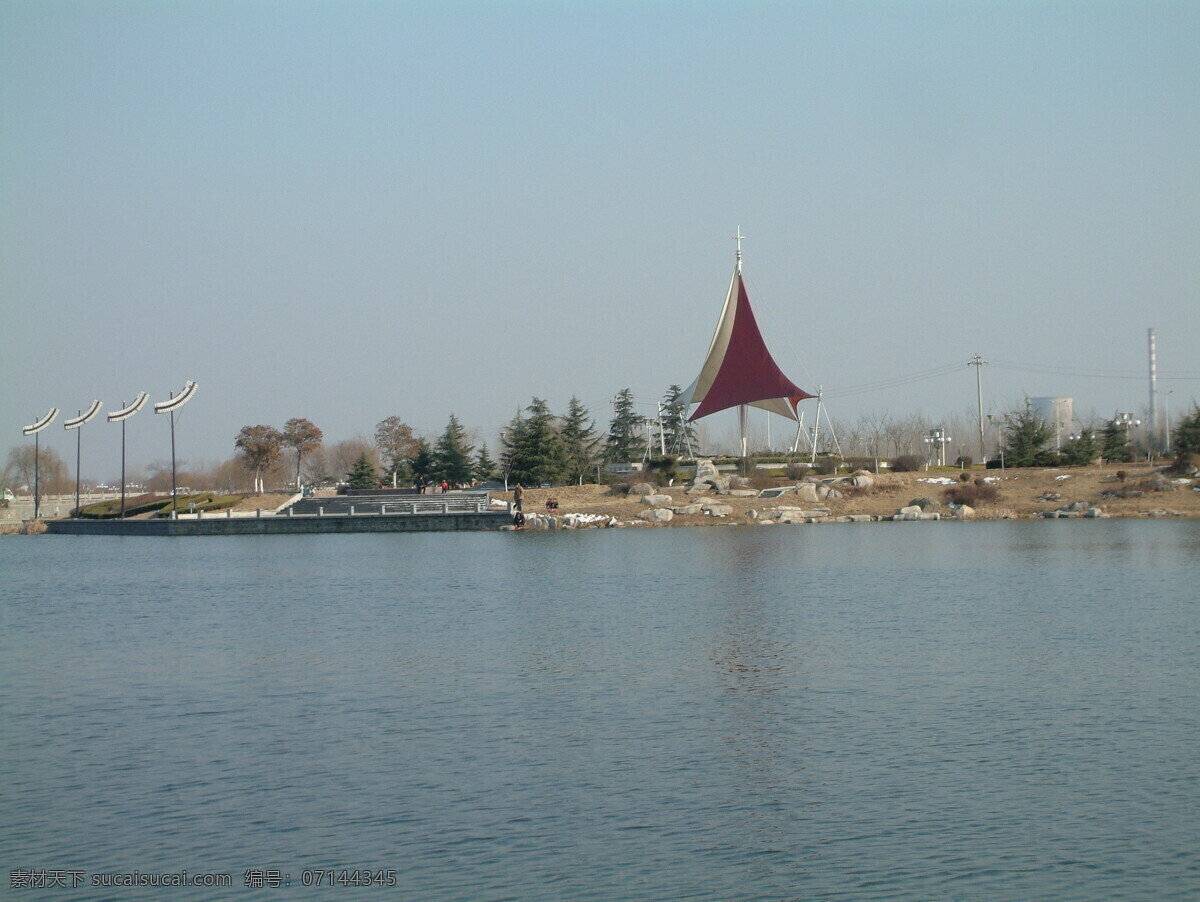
{"points": [[1002, 710]]}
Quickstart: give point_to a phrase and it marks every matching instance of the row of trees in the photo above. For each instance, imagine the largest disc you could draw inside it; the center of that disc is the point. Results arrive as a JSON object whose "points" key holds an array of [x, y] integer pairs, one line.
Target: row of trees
{"points": [[1027, 441], [261, 446], [539, 446]]}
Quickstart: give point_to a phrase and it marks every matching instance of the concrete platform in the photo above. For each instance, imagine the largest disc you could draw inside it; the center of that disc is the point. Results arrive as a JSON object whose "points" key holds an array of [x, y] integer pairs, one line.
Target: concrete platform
{"points": [[282, 525]]}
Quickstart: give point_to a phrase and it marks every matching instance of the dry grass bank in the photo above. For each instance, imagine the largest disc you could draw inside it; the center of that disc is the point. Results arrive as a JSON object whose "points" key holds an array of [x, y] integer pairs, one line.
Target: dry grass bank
{"points": [[1021, 493]]}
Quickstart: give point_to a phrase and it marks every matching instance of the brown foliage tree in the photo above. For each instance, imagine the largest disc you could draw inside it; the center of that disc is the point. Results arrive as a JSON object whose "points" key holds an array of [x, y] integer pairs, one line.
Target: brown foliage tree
{"points": [[260, 447], [302, 437], [396, 443]]}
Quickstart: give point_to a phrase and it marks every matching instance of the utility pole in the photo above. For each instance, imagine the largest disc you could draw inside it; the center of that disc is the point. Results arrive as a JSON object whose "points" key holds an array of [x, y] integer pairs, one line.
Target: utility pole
{"points": [[978, 362]]}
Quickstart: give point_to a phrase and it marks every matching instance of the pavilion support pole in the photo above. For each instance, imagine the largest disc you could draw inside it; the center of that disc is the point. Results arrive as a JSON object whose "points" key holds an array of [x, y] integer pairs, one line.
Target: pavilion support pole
{"points": [[816, 428], [745, 439]]}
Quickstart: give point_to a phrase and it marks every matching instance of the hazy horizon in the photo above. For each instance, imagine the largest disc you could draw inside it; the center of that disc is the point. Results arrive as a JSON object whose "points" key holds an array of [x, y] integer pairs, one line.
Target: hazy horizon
{"points": [[347, 211]]}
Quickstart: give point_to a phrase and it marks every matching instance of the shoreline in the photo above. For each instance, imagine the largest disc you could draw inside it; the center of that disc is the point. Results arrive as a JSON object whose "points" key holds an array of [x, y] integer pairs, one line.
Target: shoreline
{"points": [[1127, 491]]}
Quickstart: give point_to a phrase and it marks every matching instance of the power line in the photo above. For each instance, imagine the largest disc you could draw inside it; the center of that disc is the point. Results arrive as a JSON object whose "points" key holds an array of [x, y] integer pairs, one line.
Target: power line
{"points": [[895, 381], [1182, 375]]}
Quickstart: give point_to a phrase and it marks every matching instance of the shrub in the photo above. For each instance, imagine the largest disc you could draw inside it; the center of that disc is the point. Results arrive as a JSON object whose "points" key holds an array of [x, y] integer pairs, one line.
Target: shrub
{"points": [[906, 463], [925, 504], [1048, 458], [964, 462], [111, 509], [826, 466], [663, 469], [964, 477], [797, 471], [862, 463], [1121, 475], [974, 494]]}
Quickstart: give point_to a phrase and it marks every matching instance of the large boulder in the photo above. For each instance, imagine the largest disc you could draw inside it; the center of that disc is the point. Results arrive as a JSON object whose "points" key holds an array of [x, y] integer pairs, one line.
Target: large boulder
{"points": [[687, 509], [657, 515], [657, 500], [708, 474], [807, 491], [713, 509], [641, 488], [861, 479]]}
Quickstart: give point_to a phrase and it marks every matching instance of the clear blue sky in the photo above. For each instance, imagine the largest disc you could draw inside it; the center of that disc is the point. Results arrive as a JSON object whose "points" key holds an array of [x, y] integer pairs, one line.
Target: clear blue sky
{"points": [[346, 211]]}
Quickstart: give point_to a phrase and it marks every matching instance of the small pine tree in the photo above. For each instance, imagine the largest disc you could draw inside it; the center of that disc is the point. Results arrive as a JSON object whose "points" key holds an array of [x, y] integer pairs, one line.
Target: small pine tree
{"points": [[1080, 450], [1026, 434], [1186, 439], [679, 434], [1114, 442], [424, 462], [362, 474], [485, 467]]}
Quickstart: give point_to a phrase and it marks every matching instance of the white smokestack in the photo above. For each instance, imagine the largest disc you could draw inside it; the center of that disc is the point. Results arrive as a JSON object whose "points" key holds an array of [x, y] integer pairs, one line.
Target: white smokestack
{"points": [[1152, 426]]}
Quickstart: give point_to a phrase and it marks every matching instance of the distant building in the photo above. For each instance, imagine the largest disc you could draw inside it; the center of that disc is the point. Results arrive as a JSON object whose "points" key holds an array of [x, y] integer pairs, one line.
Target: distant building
{"points": [[1059, 415]]}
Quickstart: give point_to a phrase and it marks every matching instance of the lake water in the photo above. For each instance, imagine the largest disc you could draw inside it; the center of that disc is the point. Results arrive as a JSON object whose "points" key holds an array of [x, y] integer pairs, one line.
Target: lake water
{"points": [[884, 711]]}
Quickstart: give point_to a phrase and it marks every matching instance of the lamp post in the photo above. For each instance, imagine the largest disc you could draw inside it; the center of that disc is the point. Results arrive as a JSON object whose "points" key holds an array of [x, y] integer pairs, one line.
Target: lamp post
{"points": [[937, 441], [34, 430], [505, 457], [176, 401], [121, 416], [81, 420]]}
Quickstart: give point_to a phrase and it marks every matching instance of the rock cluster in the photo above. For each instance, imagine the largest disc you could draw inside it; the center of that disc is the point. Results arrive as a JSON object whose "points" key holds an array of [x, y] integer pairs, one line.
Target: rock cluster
{"points": [[1078, 509]]}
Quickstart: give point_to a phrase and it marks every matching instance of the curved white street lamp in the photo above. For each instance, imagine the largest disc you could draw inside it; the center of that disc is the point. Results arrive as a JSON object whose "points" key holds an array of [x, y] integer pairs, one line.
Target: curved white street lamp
{"points": [[170, 406], [121, 416], [34, 430], [84, 418]]}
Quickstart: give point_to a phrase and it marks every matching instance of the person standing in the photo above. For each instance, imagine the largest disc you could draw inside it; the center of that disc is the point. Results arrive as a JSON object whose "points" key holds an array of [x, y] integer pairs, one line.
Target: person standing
{"points": [[518, 496]]}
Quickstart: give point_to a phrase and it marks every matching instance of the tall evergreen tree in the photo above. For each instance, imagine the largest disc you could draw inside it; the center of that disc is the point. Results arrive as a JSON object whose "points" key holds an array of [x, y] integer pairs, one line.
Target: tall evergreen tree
{"points": [[454, 454], [1025, 435], [579, 435], [622, 444], [537, 451], [679, 434]]}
